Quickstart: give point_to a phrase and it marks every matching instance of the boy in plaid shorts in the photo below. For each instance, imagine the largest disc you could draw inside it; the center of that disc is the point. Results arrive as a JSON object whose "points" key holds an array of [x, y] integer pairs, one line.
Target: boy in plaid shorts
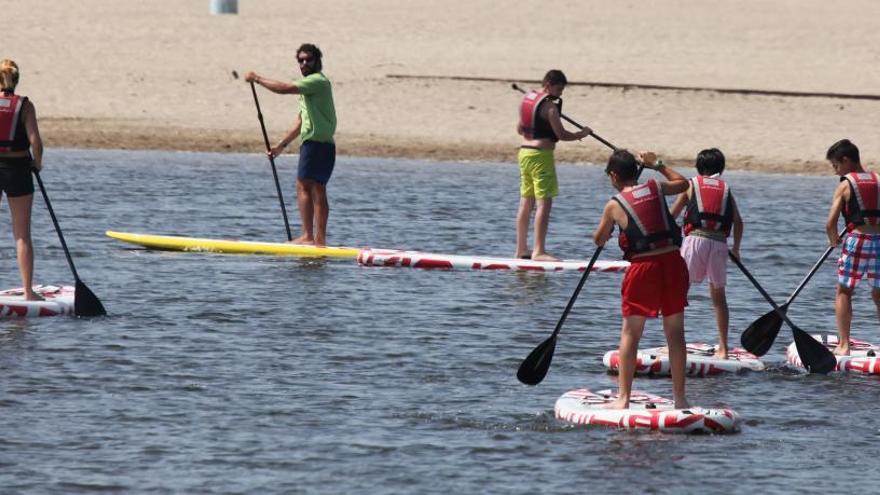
{"points": [[858, 199]]}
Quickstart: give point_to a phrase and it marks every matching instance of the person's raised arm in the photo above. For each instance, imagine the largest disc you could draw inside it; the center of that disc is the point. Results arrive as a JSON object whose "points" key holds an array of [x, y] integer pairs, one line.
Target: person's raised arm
{"points": [[675, 183], [834, 213], [556, 124], [33, 132], [280, 87]]}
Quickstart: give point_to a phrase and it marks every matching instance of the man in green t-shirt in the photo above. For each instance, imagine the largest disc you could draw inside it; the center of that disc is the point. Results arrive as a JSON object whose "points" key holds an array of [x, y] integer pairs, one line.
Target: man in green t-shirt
{"points": [[315, 123]]}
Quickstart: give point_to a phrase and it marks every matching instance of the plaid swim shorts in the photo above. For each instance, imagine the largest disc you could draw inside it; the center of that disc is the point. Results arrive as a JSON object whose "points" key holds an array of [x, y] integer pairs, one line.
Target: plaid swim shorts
{"points": [[860, 255]]}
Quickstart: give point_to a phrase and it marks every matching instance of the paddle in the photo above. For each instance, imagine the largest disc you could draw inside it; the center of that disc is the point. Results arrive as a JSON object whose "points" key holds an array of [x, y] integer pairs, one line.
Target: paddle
{"points": [[534, 367], [759, 336], [271, 160], [815, 356], [85, 302], [572, 122]]}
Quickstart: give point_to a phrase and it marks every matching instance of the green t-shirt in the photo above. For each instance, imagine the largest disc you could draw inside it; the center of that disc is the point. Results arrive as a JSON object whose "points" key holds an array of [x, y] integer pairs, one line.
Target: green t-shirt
{"points": [[316, 108]]}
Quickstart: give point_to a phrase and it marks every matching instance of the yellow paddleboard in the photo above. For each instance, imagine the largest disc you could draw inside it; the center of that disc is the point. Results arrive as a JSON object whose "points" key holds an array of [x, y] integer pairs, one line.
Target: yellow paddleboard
{"points": [[175, 243]]}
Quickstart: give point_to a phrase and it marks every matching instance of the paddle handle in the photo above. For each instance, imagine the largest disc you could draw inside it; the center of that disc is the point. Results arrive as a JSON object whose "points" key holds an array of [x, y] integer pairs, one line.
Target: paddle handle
{"points": [[572, 122], [577, 291], [57, 226], [271, 162], [814, 269]]}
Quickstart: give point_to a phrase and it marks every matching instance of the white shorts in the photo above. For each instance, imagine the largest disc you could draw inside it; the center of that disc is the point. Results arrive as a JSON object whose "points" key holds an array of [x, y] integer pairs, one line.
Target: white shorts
{"points": [[705, 258]]}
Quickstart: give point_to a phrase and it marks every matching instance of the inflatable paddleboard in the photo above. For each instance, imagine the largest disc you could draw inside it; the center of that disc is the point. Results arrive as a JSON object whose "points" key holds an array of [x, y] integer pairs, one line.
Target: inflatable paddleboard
{"points": [[194, 244], [646, 412], [59, 301], [418, 259], [701, 361], [863, 356]]}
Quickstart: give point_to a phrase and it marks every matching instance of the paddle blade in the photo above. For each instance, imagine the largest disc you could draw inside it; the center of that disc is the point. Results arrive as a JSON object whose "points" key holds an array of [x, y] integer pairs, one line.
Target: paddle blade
{"points": [[85, 302], [760, 335], [534, 367], [815, 356]]}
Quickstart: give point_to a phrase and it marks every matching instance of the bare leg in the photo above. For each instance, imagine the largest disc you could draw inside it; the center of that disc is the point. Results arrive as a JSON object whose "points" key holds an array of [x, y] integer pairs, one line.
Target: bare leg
{"points": [[843, 312], [673, 327], [523, 215], [875, 295], [630, 334], [322, 212], [20, 208], [722, 318], [542, 221], [306, 211]]}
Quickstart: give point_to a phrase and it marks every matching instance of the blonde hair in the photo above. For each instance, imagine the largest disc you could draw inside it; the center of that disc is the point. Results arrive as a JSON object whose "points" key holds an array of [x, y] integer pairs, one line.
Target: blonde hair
{"points": [[8, 75]]}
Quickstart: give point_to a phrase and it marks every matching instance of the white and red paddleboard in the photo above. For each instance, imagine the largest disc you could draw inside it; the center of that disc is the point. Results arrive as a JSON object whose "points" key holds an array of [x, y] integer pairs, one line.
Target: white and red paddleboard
{"points": [[645, 412], [418, 259], [59, 301], [863, 357], [701, 361]]}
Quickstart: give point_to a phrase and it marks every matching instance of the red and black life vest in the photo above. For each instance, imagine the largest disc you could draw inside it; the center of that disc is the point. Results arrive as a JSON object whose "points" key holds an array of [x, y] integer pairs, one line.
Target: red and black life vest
{"points": [[13, 136], [710, 206], [649, 224], [533, 125], [863, 206]]}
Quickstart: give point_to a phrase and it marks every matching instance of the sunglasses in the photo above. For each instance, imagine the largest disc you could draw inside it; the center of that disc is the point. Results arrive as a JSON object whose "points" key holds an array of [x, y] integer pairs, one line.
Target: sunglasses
{"points": [[305, 60]]}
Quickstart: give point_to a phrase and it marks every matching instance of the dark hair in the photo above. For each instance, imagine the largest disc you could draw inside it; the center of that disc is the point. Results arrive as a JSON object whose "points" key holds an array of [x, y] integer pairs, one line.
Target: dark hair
{"points": [[554, 77], [624, 164], [314, 51], [710, 162], [843, 149]]}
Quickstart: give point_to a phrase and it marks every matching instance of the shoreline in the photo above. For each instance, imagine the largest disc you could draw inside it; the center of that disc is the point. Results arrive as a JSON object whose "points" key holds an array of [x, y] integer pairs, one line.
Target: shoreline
{"points": [[118, 134]]}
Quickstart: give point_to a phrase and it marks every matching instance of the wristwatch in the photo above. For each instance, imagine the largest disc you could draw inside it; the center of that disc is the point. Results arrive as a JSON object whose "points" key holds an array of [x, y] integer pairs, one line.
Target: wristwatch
{"points": [[659, 165]]}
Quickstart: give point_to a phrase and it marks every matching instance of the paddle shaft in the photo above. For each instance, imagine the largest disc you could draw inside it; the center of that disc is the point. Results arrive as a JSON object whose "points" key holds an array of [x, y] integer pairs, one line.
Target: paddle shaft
{"points": [[577, 291], [57, 226], [271, 161], [754, 282], [813, 270], [572, 122]]}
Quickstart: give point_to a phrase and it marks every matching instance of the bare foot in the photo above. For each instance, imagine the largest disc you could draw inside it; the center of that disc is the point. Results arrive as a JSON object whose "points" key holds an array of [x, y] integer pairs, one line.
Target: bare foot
{"points": [[33, 296], [303, 239], [841, 350], [543, 257], [721, 353], [320, 243], [521, 256], [682, 403], [619, 403]]}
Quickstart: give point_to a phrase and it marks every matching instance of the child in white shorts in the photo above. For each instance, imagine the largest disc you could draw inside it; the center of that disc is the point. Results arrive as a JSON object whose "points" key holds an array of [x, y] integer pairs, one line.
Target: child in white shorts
{"points": [[710, 215]]}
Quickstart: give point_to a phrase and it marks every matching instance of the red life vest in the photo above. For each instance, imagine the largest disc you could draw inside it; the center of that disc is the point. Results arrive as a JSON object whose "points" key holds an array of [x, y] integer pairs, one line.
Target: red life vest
{"points": [[13, 136], [533, 125], [863, 206], [649, 224], [710, 206]]}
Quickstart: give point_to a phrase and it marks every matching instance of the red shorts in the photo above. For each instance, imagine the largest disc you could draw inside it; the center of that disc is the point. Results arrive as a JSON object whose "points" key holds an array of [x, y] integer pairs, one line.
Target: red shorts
{"points": [[655, 284]]}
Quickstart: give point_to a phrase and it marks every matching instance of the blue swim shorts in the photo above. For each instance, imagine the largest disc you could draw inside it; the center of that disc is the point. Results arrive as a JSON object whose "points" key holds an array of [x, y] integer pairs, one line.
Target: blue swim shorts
{"points": [[316, 161]]}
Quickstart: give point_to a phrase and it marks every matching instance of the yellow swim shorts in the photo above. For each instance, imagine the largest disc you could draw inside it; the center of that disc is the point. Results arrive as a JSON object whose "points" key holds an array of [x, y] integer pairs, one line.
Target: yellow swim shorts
{"points": [[537, 172]]}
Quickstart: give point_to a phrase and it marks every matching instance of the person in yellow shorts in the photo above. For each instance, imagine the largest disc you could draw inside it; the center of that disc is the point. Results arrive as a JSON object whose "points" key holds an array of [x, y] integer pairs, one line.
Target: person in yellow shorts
{"points": [[540, 126]]}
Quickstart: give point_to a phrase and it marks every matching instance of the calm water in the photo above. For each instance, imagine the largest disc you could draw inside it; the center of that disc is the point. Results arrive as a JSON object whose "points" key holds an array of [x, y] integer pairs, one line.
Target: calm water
{"points": [[247, 374]]}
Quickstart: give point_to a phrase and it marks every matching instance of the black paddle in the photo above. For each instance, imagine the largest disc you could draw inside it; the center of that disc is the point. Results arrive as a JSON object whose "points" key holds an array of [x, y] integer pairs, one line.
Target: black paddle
{"points": [[534, 367], [572, 122], [85, 302], [271, 160], [815, 356], [759, 336]]}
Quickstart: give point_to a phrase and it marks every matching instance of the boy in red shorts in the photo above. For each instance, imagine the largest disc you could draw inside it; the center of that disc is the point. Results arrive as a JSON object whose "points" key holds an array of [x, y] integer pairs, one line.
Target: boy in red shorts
{"points": [[657, 280], [858, 199]]}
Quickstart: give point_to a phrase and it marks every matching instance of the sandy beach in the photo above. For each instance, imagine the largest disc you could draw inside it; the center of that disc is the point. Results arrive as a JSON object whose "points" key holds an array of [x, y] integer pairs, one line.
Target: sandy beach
{"points": [[158, 74]]}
